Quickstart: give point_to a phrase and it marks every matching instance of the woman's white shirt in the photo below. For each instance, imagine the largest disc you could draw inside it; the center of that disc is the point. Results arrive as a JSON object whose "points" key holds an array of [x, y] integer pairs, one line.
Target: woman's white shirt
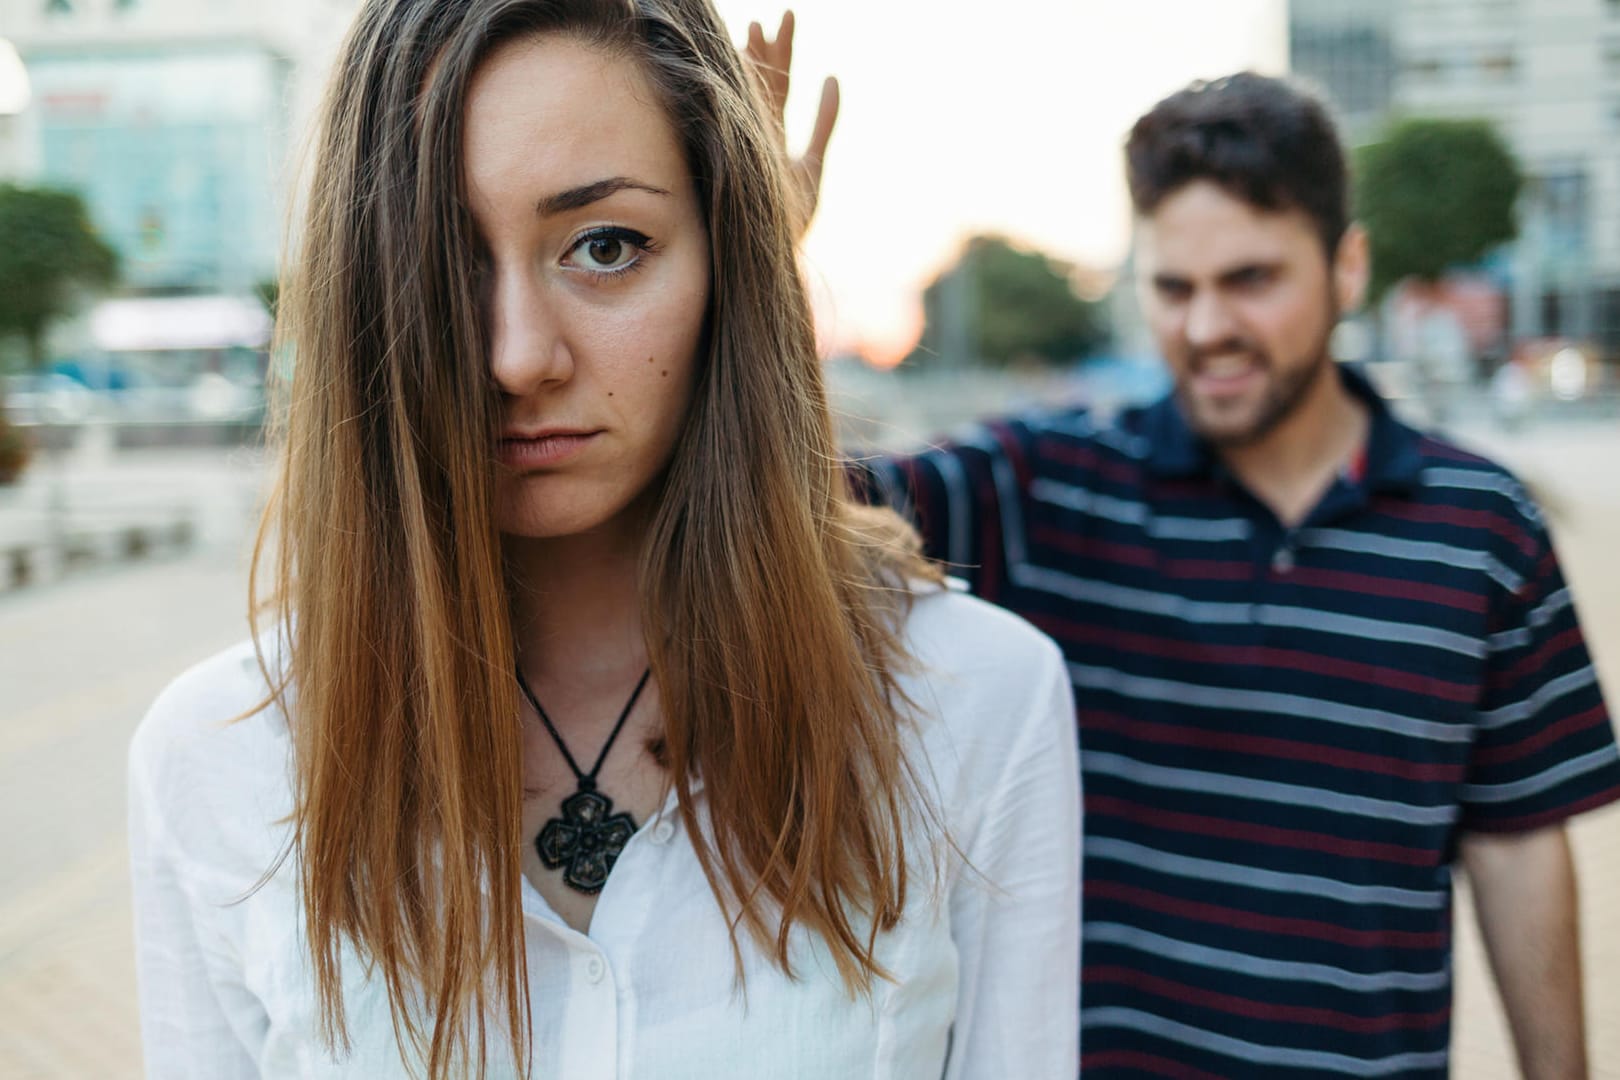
{"points": [[985, 962]]}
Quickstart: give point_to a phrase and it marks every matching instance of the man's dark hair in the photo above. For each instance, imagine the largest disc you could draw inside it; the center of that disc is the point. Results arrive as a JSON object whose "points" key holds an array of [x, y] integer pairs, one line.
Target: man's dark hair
{"points": [[1270, 142]]}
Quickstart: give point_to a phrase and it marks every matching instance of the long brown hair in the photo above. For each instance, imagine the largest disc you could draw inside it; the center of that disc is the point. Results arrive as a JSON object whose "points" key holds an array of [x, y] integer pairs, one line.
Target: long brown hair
{"points": [[771, 604]]}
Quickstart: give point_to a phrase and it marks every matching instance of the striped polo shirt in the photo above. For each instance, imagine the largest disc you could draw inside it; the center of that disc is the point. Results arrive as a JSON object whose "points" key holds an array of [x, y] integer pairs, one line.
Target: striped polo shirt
{"points": [[1283, 730]]}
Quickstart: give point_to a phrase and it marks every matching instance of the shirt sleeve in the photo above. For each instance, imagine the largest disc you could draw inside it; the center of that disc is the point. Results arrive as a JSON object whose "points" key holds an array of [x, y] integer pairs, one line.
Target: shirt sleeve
{"points": [[1545, 747], [965, 498], [186, 1028], [1015, 909]]}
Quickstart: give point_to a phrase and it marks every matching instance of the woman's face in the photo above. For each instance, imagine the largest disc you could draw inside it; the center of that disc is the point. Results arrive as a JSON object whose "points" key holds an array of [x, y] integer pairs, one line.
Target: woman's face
{"points": [[596, 280]]}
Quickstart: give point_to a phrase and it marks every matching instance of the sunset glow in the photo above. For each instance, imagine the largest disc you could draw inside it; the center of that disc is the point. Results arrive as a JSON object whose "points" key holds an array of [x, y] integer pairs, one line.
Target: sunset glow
{"points": [[1008, 122]]}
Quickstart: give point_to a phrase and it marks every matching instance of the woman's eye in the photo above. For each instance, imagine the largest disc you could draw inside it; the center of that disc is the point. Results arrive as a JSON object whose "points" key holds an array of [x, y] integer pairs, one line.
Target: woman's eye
{"points": [[609, 250]]}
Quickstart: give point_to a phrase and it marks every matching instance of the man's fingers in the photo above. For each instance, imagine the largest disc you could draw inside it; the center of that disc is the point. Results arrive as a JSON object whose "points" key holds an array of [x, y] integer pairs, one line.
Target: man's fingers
{"points": [[826, 117], [784, 44], [756, 42]]}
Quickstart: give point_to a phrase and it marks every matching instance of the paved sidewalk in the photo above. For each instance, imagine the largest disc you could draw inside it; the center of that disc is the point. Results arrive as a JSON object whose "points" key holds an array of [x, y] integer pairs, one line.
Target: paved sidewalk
{"points": [[80, 659], [1575, 470]]}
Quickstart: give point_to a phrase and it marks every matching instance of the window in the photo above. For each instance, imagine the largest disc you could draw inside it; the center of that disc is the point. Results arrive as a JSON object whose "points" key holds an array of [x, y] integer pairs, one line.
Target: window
{"points": [[1499, 65]]}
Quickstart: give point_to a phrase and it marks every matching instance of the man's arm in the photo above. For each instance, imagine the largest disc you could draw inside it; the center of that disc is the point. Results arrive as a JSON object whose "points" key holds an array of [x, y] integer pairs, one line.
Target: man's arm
{"points": [[1524, 894]]}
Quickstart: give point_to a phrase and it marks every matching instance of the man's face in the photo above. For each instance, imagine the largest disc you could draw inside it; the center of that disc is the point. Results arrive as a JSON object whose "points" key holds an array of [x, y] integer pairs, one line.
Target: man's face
{"points": [[1242, 302]]}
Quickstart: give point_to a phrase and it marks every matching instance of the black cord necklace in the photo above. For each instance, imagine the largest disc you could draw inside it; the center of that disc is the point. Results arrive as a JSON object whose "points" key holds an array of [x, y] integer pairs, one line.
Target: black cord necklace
{"points": [[588, 836]]}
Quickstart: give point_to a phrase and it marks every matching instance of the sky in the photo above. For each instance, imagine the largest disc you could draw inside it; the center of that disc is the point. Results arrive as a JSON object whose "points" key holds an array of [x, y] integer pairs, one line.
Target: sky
{"points": [[1010, 121]]}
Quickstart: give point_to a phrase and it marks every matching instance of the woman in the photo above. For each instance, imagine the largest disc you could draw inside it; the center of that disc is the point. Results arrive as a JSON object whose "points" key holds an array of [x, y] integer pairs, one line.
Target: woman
{"points": [[601, 736]]}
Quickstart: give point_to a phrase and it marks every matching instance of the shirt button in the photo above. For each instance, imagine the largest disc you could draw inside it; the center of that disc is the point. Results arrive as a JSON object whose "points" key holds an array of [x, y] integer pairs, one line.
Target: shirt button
{"points": [[1283, 561], [663, 832], [595, 969]]}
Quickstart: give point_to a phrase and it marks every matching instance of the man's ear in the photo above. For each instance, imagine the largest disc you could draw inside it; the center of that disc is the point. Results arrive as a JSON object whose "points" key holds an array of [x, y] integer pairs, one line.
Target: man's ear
{"points": [[1352, 266]]}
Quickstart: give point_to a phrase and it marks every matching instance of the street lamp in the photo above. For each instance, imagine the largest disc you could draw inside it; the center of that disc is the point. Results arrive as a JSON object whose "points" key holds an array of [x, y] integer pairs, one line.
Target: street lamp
{"points": [[13, 81]]}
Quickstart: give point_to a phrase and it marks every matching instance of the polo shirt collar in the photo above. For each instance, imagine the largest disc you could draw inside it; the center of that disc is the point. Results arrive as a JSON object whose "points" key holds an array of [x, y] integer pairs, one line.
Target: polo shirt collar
{"points": [[1394, 457]]}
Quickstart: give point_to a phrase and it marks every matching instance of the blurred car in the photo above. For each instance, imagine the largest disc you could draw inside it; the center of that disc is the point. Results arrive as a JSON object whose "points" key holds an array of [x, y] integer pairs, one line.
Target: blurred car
{"points": [[49, 398], [1561, 369]]}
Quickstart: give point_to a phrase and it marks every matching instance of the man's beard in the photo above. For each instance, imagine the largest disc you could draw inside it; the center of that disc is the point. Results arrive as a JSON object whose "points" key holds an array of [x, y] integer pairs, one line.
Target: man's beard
{"points": [[1284, 393]]}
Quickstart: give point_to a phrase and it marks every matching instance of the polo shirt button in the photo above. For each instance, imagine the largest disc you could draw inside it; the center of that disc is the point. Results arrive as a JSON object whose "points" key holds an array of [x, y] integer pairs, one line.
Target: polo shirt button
{"points": [[1283, 561], [595, 969], [663, 832]]}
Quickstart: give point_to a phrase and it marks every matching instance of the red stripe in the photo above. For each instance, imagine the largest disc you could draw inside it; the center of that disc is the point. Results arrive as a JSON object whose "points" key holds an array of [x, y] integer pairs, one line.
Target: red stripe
{"points": [[1276, 836], [1265, 1010], [1250, 656], [1148, 1063], [1148, 557], [1545, 817], [1088, 458], [1144, 556], [1460, 517], [1394, 588], [1569, 725], [989, 501], [1007, 439], [1265, 924], [1423, 772], [1435, 448]]}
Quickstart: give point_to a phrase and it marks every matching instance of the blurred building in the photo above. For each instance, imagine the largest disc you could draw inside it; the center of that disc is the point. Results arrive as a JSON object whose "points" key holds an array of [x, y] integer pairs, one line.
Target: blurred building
{"points": [[1547, 73], [178, 120]]}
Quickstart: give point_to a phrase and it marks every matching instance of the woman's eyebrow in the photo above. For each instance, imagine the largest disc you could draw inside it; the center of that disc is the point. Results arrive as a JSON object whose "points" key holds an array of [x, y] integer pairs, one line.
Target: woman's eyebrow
{"points": [[584, 195]]}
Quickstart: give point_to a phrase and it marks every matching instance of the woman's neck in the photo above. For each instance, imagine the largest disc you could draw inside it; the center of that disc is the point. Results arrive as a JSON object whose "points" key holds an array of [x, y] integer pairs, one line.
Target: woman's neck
{"points": [[576, 610]]}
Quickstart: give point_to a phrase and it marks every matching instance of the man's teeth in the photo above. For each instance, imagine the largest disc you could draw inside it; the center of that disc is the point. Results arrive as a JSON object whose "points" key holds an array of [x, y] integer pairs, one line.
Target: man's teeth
{"points": [[1227, 367]]}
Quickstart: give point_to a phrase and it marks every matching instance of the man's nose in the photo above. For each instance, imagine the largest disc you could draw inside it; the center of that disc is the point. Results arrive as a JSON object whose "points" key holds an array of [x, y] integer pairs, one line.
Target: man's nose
{"points": [[1209, 321]]}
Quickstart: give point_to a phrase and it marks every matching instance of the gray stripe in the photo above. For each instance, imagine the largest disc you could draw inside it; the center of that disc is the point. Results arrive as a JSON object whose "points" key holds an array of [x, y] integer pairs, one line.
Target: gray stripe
{"points": [[1517, 638], [1471, 480], [1169, 605], [1412, 551], [1012, 509], [1135, 446], [959, 505], [1370, 629], [1544, 695], [1173, 606], [1258, 1053], [1534, 785], [1130, 512], [1088, 502], [1181, 528], [1265, 701], [1543, 613], [1187, 952], [1248, 877], [1272, 791]]}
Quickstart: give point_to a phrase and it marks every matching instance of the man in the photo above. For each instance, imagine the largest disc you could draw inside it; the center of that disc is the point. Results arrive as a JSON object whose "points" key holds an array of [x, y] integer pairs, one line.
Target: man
{"points": [[1320, 658]]}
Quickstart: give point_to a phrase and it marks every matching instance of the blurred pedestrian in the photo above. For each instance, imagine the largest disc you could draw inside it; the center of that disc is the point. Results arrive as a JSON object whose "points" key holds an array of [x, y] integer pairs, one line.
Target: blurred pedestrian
{"points": [[1321, 659], [598, 733]]}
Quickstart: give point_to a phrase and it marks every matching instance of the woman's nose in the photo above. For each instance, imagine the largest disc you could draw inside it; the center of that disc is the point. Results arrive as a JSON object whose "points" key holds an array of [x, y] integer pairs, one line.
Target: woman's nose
{"points": [[528, 346]]}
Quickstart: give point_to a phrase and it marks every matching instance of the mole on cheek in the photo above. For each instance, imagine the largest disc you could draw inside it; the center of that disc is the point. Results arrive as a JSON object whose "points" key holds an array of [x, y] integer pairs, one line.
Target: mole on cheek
{"points": [[666, 374]]}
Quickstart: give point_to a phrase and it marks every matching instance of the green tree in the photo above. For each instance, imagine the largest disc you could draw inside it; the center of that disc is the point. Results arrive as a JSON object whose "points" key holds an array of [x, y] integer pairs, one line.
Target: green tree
{"points": [[48, 252], [1001, 305], [1434, 195]]}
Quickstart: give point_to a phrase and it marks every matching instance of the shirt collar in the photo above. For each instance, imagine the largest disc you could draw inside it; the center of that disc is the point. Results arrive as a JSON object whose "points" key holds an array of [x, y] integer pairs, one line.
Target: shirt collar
{"points": [[1394, 458]]}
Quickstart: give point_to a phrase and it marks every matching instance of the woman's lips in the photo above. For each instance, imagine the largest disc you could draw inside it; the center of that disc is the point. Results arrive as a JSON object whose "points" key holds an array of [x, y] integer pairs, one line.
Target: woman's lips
{"points": [[523, 452]]}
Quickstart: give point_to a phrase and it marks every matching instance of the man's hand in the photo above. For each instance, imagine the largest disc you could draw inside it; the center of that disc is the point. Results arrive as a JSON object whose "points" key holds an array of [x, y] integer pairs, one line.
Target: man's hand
{"points": [[771, 60]]}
